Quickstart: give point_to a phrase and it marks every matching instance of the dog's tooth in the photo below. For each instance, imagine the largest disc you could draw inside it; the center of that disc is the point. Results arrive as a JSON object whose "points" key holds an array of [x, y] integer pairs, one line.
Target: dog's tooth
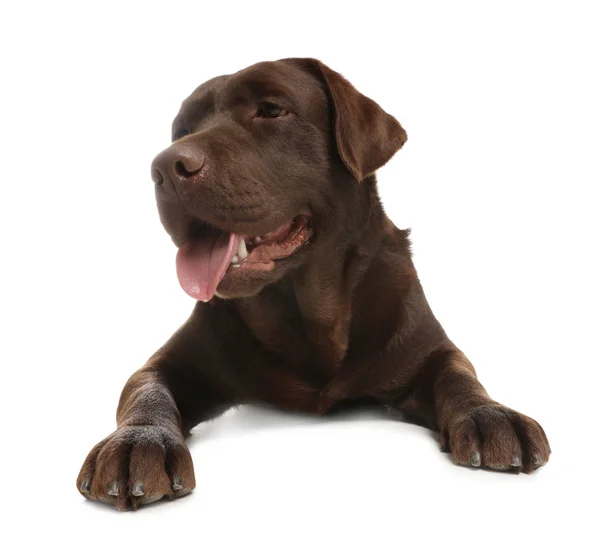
{"points": [[257, 240], [242, 251], [235, 259]]}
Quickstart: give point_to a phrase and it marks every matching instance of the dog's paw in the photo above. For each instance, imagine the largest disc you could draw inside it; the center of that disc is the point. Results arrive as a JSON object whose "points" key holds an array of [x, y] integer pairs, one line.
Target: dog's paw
{"points": [[137, 465], [496, 437]]}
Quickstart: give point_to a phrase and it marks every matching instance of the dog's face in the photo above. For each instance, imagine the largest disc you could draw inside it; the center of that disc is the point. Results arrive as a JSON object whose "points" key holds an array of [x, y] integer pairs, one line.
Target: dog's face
{"points": [[255, 166]]}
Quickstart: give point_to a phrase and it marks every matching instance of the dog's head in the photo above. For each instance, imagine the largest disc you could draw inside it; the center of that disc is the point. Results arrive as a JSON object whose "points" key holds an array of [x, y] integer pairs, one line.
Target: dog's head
{"points": [[258, 157]]}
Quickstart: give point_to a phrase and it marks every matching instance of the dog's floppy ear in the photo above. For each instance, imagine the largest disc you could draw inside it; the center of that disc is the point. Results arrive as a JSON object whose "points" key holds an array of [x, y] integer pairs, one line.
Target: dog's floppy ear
{"points": [[366, 136]]}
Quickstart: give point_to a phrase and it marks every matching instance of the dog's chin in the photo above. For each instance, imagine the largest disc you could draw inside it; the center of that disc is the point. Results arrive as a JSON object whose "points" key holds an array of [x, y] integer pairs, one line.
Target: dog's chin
{"points": [[212, 262], [249, 283]]}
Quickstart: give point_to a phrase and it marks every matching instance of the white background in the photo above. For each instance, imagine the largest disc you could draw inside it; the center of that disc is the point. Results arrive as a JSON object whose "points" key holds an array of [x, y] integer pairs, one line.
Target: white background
{"points": [[498, 181]]}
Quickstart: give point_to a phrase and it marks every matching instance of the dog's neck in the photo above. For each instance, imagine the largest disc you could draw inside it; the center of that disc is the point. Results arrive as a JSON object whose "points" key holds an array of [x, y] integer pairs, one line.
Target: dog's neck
{"points": [[307, 316]]}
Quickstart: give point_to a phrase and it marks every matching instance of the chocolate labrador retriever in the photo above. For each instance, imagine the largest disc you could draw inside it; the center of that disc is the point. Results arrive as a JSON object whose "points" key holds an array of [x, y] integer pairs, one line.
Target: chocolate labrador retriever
{"points": [[307, 295]]}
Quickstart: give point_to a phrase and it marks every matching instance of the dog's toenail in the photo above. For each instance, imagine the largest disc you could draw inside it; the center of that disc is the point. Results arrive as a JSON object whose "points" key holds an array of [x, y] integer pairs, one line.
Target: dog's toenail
{"points": [[177, 485], [476, 459], [516, 461], [113, 489], [537, 459], [85, 486], [138, 489]]}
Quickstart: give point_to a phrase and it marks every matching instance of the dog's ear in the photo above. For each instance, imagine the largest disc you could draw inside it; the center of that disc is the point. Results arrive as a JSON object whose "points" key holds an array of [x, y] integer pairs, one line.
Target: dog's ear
{"points": [[366, 136]]}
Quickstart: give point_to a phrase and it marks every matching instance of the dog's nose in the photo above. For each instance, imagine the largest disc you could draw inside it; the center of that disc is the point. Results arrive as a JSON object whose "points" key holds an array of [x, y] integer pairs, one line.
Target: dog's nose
{"points": [[177, 164]]}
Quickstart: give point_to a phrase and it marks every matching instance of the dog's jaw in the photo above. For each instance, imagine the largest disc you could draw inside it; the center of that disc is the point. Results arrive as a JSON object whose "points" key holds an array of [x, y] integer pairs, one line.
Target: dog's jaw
{"points": [[210, 254]]}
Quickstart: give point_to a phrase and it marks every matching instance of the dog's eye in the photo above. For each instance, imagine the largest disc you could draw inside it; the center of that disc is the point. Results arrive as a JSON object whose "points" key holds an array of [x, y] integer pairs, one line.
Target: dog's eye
{"points": [[180, 134], [269, 110]]}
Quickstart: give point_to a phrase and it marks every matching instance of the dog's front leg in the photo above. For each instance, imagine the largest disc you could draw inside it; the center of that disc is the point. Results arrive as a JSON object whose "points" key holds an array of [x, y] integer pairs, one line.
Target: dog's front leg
{"points": [[146, 458], [477, 430]]}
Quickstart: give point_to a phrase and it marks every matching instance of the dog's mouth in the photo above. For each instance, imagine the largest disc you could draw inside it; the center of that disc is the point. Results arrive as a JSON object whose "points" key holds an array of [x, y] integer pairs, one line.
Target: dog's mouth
{"points": [[211, 253]]}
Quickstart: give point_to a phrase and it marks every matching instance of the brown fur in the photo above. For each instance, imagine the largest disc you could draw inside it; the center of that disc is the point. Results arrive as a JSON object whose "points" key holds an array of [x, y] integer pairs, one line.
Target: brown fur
{"points": [[341, 320]]}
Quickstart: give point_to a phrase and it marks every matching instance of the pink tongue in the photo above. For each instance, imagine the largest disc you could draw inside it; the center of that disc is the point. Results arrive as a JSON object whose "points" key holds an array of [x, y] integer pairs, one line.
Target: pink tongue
{"points": [[201, 264]]}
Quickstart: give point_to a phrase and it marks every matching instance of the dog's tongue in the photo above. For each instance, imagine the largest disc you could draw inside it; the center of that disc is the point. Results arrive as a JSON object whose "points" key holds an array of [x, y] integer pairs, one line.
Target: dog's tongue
{"points": [[201, 264]]}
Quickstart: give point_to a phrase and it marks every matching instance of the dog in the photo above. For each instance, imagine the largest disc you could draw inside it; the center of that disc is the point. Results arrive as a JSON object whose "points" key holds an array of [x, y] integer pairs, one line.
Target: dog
{"points": [[307, 297]]}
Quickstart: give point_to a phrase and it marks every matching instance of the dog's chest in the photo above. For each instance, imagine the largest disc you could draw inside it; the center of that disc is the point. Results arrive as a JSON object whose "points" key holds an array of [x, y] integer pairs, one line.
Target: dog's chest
{"points": [[277, 361], [274, 324], [305, 362]]}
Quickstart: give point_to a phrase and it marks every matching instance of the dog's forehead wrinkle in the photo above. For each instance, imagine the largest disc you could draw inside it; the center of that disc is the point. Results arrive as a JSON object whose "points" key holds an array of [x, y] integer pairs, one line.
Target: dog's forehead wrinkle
{"points": [[250, 89], [270, 79]]}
